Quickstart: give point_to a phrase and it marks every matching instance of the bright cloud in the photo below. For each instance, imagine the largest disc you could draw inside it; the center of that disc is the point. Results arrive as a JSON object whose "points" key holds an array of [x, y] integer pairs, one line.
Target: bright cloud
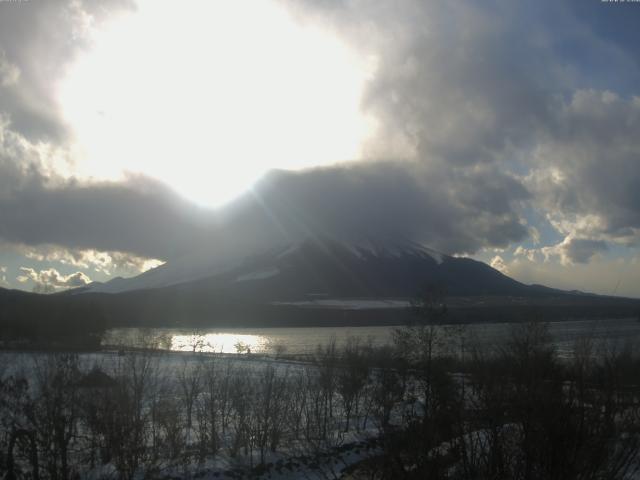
{"points": [[103, 262], [528, 253], [499, 264], [50, 280], [3, 277]]}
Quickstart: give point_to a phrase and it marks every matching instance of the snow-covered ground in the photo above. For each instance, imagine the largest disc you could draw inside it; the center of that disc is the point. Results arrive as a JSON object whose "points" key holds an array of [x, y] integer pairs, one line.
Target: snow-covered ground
{"points": [[167, 373]]}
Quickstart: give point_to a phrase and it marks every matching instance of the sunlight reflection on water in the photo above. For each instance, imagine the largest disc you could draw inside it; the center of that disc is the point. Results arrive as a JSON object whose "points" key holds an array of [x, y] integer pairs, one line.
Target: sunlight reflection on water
{"points": [[304, 340], [220, 343]]}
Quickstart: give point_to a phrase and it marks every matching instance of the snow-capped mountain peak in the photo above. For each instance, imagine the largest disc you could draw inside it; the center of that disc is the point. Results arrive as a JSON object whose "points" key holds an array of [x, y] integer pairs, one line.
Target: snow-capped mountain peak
{"points": [[265, 264]]}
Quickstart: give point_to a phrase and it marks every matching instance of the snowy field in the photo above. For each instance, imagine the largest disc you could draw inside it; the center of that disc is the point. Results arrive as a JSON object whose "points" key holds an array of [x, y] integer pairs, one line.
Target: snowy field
{"points": [[212, 415], [187, 414]]}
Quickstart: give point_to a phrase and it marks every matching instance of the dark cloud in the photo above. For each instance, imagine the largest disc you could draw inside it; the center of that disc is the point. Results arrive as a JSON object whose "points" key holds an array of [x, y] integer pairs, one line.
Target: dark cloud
{"points": [[451, 210], [581, 250], [454, 80], [587, 174], [544, 89], [362, 200], [138, 216]]}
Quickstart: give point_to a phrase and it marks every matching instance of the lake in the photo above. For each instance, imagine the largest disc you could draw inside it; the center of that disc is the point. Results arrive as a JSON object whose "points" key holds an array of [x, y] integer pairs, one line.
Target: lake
{"points": [[304, 340]]}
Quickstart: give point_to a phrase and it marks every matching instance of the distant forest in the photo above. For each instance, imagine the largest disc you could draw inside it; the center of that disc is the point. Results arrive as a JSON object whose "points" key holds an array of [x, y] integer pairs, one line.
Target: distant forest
{"points": [[50, 321], [79, 320]]}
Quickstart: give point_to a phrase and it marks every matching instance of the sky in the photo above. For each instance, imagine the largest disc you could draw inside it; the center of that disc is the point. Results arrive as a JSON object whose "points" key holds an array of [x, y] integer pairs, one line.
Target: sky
{"points": [[138, 132]]}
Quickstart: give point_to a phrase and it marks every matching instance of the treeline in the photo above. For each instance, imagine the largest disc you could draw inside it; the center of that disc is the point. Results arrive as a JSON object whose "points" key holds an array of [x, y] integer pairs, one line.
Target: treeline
{"points": [[30, 317], [29, 320], [184, 307], [427, 407], [515, 411]]}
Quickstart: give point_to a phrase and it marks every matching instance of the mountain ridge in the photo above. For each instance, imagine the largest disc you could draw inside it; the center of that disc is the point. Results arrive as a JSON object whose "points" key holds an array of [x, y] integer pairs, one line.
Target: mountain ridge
{"points": [[322, 266], [319, 282]]}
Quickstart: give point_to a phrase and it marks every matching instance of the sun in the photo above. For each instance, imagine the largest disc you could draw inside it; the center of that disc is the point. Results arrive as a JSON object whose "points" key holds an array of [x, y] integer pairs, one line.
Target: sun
{"points": [[207, 96]]}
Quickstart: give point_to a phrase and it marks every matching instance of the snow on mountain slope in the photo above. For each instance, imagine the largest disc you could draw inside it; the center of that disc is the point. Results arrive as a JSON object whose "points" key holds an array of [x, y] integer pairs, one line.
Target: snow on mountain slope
{"points": [[367, 249], [261, 265], [186, 269], [259, 275], [349, 304]]}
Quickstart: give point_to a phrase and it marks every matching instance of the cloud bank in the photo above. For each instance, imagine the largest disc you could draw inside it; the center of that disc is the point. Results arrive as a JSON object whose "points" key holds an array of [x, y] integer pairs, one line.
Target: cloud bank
{"points": [[50, 281]]}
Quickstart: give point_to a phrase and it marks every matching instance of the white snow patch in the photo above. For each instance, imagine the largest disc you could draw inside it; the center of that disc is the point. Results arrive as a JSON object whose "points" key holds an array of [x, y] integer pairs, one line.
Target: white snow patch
{"points": [[259, 275], [437, 256], [292, 248], [348, 304], [190, 268], [354, 249], [392, 250]]}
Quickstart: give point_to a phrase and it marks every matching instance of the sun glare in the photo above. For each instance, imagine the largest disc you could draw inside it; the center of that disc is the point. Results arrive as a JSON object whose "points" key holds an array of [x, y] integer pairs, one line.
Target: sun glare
{"points": [[207, 96], [219, 343]]}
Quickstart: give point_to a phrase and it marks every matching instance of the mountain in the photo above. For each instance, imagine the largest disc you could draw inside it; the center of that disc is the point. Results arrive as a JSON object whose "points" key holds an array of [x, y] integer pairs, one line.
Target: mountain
{"points": [[190, 267], [316, 282], [322, 267]]}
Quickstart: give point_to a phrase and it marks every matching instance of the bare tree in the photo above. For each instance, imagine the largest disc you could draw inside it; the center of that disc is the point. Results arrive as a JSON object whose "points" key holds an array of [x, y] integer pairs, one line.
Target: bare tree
{"points": [[269, 410], [190, 383], [16, 420], [352, 378], [56, 410]]}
